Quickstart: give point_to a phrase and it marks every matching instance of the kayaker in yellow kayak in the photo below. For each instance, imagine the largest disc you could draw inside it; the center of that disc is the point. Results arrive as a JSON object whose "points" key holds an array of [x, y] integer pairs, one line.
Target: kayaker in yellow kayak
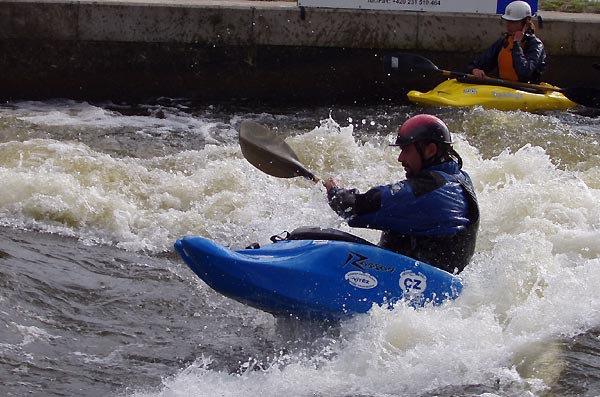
{"points": [[519, 55], [433, 214]]}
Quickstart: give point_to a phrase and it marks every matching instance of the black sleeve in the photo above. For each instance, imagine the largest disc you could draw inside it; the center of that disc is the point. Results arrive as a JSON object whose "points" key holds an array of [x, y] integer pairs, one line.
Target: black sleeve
{"points": [[529, 62], [350, 202]]}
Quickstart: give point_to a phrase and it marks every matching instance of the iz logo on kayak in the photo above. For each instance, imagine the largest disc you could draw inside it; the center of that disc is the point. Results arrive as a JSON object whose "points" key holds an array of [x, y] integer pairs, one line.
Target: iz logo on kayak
{"points": [[362, 262]]}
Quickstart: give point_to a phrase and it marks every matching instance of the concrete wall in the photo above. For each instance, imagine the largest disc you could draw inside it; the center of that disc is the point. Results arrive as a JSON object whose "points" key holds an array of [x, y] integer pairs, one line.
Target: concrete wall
{"points": [[249, 49]]}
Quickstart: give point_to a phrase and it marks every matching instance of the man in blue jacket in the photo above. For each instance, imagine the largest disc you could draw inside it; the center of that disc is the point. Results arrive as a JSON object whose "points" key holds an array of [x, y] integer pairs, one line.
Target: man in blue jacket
{"points": [[433, 214]]}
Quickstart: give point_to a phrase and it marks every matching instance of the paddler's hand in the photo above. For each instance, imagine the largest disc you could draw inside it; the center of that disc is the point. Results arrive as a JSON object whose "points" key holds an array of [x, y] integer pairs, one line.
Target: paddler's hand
{"points": [[330, 184], [518, 37], [519, 34], [478, 73]]}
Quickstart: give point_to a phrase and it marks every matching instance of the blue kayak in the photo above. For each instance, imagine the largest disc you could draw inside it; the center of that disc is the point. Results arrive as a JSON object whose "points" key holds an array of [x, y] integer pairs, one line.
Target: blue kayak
{"points": [[332, 275]]}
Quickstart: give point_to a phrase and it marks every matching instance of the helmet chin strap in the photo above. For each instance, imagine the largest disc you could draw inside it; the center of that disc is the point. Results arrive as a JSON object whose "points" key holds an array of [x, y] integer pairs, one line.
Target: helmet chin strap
{"points": [[425, 163], [421, 155]]}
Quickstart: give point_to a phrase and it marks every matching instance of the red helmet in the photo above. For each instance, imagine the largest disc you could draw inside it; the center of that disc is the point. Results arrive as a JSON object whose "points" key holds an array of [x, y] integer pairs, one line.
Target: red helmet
{"points": [[423, 127]]}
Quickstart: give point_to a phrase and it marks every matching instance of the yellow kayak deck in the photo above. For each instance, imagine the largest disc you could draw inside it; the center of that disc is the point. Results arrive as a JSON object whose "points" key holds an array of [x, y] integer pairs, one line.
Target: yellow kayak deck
{"points": [[454, 93]]}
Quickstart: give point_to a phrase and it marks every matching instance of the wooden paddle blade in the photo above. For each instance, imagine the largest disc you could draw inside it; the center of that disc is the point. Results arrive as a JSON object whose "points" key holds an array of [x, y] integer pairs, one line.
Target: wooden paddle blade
{"points": [[586, 96], [401, 62], [269, 153]]}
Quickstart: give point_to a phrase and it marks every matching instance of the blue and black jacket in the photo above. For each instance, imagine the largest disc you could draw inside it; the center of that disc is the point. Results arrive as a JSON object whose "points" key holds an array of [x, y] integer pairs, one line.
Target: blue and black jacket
{"points": [[529, 58], [433, 217]]}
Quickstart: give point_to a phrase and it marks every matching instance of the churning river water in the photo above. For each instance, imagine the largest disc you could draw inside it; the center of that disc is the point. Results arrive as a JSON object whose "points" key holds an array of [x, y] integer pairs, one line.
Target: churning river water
{"points": [[94, 302]]}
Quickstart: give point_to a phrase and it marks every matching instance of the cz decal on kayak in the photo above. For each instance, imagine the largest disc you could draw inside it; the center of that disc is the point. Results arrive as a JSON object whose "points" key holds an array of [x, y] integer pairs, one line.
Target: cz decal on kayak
{"points": [[361, 280], [360, 261], [412, 283]]}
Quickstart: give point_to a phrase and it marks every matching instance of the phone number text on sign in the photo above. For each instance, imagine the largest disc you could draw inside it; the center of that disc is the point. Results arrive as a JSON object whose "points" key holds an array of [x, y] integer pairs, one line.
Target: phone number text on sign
{"points": [[467, 6], [413, 4]]}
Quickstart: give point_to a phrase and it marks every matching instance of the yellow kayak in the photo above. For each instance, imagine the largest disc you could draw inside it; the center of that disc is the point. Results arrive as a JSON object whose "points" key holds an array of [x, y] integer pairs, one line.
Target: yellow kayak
{"points": [[458, 94]]}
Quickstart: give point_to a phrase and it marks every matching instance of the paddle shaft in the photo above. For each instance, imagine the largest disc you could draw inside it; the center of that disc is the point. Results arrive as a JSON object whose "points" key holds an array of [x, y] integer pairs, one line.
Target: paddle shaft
{"points": [[469, 78]]}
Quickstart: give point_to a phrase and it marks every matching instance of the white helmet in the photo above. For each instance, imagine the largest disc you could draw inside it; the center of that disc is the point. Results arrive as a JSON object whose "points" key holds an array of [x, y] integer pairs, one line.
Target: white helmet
{"points": [[517, 11]]}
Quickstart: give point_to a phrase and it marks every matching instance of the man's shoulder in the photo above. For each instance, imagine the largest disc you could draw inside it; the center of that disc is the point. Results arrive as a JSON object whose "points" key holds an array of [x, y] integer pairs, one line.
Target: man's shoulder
{"points": [[427, 182]]}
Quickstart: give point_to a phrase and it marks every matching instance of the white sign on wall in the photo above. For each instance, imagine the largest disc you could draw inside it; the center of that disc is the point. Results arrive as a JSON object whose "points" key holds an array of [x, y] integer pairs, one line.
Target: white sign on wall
{"points": [[470, 6]]}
